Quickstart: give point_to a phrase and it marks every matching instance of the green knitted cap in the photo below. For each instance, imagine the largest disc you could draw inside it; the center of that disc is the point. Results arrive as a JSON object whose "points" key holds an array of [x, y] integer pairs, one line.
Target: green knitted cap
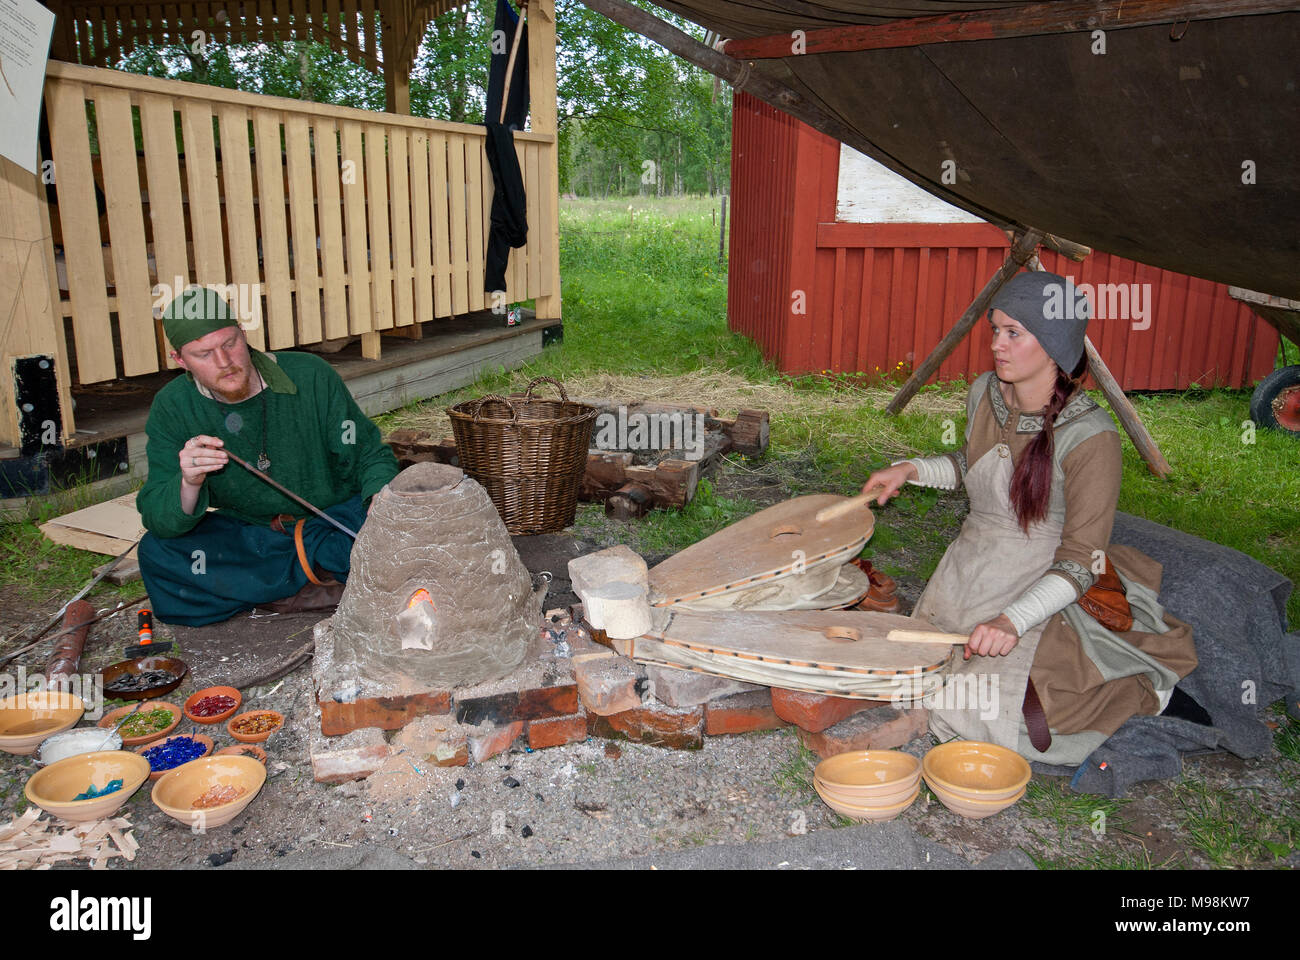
{"points": [[197, 312]]}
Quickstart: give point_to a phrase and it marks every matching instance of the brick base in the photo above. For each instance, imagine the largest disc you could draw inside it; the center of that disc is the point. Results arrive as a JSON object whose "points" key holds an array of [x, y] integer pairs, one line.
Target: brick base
{"points": [[883, 729], [815, 712], [557, 731], [741, 713], [658, 726]]}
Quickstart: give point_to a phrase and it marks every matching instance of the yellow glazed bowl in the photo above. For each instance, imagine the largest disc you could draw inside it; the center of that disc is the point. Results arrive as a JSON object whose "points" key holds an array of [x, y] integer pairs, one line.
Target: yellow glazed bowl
{"points": [[861, 813], [176, 790], [869, 773], [972, 808], [53, 788], [28, 718], [972, 768]]}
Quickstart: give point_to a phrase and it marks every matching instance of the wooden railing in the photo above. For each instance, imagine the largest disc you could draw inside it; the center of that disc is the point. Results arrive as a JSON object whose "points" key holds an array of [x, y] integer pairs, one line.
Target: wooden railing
{"points": [[327, 221]]}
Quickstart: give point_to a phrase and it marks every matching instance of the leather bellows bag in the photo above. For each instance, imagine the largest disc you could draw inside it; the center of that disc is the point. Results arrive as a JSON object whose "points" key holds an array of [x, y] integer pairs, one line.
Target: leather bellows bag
{"points": [[1107, 603]]}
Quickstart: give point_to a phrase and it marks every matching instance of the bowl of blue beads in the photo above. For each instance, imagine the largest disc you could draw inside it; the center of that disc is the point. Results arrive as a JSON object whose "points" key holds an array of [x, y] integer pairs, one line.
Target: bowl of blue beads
{"points": [[89, 786], [175, 751]]}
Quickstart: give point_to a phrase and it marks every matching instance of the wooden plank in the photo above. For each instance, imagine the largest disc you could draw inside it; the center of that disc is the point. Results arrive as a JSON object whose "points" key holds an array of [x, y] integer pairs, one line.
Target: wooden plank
{"points": [[329, 213], [440, 221], [302, 212], [74, 181], [301, 27], [349, 16], [399, 193], [275, 232], [517, 273], [476, 236], [1060, 16], [166, 208], [422, 237], [381, 267], [354, 215], [126, 229], [332, 25], [109, 527], [543, 120], [204, 197], [456, 206], [489, 190], [369, 27], [763, 546], [241, 219], [535, 234]]}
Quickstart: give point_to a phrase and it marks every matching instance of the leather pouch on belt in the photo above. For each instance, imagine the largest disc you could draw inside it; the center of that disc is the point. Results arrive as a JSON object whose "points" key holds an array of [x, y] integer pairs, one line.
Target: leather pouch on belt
{"points": [[1107, 603]]}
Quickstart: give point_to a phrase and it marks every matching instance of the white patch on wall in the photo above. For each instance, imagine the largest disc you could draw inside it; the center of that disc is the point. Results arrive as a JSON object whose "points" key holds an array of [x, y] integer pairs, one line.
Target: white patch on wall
{"points": [[871, 193]]}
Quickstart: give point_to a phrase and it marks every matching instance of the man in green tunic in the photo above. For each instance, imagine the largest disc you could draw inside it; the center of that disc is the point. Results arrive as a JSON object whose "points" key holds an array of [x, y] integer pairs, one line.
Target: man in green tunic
{"points": [[290, 415]]}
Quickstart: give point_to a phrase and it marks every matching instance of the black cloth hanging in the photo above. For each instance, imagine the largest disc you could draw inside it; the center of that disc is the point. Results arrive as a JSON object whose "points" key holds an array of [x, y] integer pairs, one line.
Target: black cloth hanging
{"points": [[509, 226]]}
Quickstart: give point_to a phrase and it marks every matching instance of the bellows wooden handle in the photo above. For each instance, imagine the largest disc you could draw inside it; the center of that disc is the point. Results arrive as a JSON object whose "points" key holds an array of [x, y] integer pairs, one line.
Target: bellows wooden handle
{"points": [[848, 506], [926, 636]]}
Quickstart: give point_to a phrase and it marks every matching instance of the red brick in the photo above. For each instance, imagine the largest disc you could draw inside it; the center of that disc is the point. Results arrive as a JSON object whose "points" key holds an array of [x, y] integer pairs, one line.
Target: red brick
{"points": [[607, 684], [385, 713], [741, 713], [882, 729], [658, 726], [487, 744], [352, 757], [557, 731], [441, 741], [815, 712], [536, 703]]}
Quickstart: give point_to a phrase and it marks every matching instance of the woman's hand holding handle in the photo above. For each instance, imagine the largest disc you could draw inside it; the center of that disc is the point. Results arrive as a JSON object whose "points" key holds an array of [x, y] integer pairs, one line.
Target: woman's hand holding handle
{"points": [[891, 479], [993, 638]]}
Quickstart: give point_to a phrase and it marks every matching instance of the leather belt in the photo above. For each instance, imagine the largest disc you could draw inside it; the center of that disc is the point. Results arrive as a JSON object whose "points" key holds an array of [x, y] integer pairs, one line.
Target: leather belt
{"points": [[1035, 719], [277, 524]]}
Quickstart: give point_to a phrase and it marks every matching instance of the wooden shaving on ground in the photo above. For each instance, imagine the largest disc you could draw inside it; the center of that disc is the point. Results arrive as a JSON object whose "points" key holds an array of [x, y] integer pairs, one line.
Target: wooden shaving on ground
{"points": [[33, 842]]}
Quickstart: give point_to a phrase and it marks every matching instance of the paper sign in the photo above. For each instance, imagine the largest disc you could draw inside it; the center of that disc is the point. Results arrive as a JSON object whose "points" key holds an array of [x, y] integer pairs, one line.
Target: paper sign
{"points": [[25, 31]]}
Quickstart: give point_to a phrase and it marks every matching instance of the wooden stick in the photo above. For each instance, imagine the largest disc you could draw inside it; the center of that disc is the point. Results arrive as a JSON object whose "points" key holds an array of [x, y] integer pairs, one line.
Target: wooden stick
{"points": [[510, 64], [1126, 413], [926, 636], [848, 506], [288, 493], [1021, 251], [1060, 16]]}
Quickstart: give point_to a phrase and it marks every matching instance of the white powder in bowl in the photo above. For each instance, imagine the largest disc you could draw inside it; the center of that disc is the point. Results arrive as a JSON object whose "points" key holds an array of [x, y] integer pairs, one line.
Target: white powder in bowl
{"points": [[74, 742]]}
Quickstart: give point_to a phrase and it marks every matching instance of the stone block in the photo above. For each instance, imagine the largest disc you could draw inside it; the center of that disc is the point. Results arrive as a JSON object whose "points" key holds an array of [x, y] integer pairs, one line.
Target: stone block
{"points": [[608, 683], [557, 731], [354, 756], [815, 712], [384, 712], [741, 713], [487, 742], [677, 728], [883, 729], [689, 688]]}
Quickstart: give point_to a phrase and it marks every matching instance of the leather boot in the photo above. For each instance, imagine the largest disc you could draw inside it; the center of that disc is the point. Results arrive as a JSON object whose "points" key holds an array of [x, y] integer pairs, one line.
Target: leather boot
{"points": [[881, 596], [310, 597]]}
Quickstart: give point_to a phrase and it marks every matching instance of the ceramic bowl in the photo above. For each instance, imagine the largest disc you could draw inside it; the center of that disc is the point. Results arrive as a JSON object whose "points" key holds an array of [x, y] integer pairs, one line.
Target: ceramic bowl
{"points": [[213, 692], [139, 665], [975, 809], [861, 814], [869, 773], [974, 769], [871, 803], [28, 718], [110, 720], [53, 788], [176, 792], [254, 737], [242, 750], [74, 743], [205, 741]]}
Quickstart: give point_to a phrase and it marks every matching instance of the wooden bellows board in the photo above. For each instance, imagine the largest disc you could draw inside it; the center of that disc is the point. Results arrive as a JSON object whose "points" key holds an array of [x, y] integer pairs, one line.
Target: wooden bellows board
{"points": [[765, 546]]}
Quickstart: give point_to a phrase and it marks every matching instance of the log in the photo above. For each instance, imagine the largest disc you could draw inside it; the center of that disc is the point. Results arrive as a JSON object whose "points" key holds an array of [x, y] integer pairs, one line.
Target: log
{"points": [[630, 502], [1021, 250], [606, 474], [1128, 416], [672, 483], [69, 646], [748, 432]]}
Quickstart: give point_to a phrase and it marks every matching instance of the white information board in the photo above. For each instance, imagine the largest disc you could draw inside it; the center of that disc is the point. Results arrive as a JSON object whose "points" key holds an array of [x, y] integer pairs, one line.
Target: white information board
{"points": [[25, 31]]}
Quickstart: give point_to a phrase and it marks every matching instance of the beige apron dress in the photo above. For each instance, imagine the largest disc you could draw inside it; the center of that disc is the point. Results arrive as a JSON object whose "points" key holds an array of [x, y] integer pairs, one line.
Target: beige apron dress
{"points": [[990, 564]]}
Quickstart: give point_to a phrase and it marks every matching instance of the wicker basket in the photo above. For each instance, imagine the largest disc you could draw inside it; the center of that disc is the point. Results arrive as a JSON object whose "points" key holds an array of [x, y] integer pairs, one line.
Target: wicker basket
{"points": [[528, 453]]}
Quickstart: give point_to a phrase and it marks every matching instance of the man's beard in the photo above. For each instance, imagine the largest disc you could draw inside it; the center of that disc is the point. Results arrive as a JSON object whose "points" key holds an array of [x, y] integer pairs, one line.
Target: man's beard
{"points": [[234, 394]]}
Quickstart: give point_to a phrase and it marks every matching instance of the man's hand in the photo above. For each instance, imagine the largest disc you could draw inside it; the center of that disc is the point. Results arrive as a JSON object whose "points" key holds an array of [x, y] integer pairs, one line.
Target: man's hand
{"points": [[891, 479], [994, 638], [200, 456]]}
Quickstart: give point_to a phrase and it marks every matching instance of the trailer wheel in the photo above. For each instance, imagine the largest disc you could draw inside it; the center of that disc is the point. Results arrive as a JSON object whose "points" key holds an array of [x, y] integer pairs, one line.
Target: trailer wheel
{"points": [[1276, 401]]}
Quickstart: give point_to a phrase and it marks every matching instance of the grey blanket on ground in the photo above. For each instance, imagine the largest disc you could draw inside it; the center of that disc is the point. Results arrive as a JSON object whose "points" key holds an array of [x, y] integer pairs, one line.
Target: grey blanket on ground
{"points": [[1237, 608]]}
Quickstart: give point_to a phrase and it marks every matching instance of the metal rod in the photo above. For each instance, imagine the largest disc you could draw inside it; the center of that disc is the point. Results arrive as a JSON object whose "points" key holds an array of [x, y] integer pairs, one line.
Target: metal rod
{"points": [[288, 493]]}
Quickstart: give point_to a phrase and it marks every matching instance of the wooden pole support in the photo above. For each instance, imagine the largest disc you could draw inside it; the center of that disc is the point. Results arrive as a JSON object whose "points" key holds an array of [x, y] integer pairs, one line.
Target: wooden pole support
{"points": [[1128, 416], [1021, 250], [510, 64]]}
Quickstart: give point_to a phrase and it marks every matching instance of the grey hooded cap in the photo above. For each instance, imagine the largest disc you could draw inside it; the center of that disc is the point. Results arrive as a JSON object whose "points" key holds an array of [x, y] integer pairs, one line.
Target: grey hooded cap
{"points": [[1051, 308]]}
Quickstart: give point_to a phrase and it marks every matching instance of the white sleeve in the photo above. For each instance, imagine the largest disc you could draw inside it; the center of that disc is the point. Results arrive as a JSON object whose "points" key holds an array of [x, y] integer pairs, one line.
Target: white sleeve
{"points": [[1049, 595], [938, 472]]}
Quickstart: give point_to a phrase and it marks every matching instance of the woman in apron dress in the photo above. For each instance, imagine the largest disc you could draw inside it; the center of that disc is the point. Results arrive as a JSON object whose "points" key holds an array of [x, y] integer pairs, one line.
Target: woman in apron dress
{"points": [[1041, 463]]}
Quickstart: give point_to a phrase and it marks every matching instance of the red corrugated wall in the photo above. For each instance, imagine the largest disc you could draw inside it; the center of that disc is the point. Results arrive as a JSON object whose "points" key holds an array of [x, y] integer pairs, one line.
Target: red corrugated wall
{"points": [[875, 295]]}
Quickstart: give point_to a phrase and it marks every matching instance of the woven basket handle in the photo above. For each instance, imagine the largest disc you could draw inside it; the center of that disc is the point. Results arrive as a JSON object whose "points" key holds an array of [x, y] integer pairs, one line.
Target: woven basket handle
{"points": [[528, 395], [514, 414]]}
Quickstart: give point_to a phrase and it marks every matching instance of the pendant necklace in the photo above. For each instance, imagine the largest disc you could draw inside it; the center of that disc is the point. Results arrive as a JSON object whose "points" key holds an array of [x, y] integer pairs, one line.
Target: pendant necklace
{"points": [[263, 461]]}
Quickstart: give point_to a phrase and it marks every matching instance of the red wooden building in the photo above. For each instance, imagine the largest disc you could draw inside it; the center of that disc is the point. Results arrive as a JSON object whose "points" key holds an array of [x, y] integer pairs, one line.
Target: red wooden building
{"points": [[837, 264]]}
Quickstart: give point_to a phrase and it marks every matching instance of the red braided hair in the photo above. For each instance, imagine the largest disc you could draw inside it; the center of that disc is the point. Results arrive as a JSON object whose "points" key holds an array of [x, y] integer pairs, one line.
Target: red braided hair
{"points": [[1031, 484]]}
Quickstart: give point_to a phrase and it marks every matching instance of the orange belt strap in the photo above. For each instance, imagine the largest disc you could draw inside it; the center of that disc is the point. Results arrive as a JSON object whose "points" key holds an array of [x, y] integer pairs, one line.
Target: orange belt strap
{"points": [[302, 553]]}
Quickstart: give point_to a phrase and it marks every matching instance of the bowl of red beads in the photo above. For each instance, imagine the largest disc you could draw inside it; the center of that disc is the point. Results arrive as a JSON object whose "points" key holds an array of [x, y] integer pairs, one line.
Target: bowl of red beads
{"points": [[213, 704], [175, 751], [254, 726]]}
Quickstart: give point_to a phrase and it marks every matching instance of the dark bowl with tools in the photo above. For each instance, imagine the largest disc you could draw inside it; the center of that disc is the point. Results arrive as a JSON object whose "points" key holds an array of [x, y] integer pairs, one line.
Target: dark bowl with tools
{"points": [[143, 678]]}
